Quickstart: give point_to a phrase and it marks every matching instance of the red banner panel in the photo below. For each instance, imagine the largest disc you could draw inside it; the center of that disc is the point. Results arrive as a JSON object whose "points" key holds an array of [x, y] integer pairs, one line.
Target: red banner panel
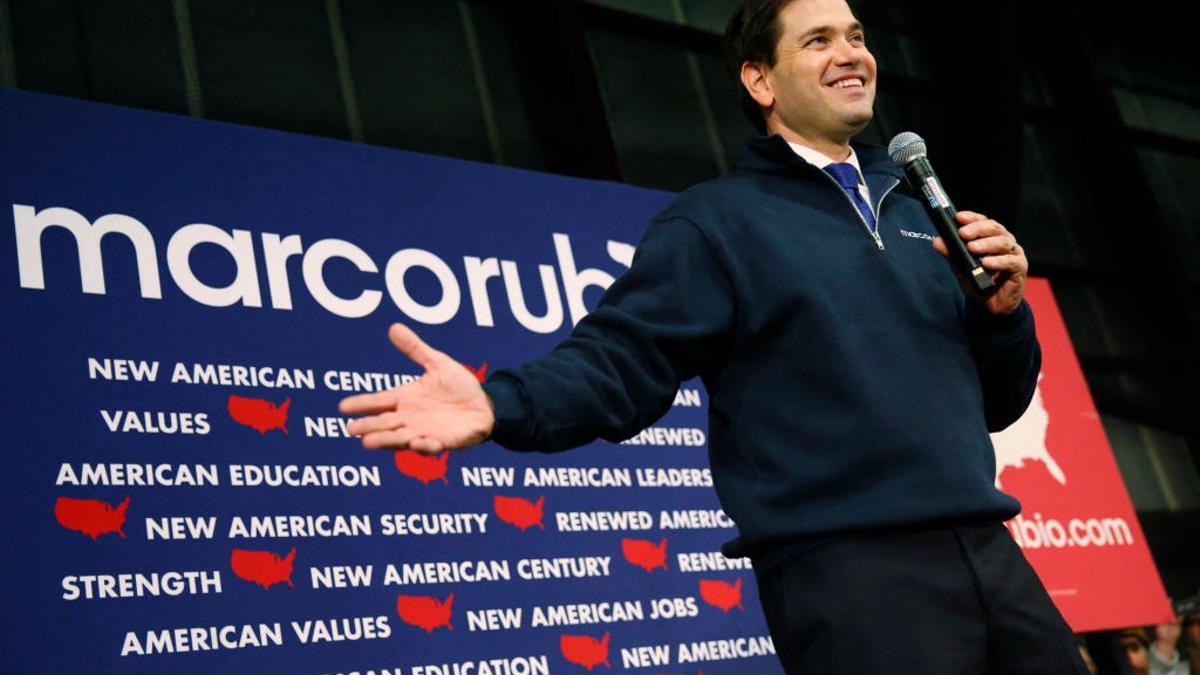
{"points": [[1077, 525]]}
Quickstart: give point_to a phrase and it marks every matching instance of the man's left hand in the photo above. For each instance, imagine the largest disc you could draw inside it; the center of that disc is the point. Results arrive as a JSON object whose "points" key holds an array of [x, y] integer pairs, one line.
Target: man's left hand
{"points": [[999, 253]]}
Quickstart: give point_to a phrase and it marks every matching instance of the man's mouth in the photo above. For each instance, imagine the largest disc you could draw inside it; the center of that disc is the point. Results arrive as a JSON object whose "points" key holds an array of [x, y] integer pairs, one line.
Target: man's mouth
{"points": [[847, 83]]}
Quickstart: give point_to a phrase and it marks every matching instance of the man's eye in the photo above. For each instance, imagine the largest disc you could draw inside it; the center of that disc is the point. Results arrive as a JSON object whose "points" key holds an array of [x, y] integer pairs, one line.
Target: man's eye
{"points": [[858, 39], [819, 40]]}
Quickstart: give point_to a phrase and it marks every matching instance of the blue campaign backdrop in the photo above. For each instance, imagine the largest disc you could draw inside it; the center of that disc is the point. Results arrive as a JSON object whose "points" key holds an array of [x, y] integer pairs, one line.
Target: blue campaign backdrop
{"points": [[259, 241]]}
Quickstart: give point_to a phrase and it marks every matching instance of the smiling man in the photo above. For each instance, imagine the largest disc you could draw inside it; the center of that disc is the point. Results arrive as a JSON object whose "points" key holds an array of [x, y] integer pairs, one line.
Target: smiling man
{"points": [[815, 83], [852, 386]]}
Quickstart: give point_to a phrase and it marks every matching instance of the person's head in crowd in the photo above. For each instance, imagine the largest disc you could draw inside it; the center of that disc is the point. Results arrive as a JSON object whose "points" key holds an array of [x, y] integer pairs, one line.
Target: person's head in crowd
{"points": [[804, 68], [1167, 634], [1190, 630], [1190, 640], [1135, 641]]}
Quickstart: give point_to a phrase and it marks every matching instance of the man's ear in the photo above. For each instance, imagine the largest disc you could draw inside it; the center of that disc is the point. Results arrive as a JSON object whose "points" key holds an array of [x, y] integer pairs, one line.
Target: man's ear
{"points": [[754, 79]]}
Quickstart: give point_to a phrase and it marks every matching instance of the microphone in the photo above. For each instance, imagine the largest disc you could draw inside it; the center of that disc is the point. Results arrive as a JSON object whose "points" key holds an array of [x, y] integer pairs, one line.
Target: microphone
{"points": [[907, 151]]}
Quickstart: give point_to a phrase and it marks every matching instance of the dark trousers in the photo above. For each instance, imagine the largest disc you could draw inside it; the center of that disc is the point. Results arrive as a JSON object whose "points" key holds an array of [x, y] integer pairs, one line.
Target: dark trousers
{"points": [[945, 601]]}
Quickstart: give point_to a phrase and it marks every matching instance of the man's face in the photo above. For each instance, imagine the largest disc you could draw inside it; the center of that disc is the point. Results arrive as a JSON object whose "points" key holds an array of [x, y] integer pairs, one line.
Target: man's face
{"points": [[824, 76], [1136, 656], [1167, 631]]}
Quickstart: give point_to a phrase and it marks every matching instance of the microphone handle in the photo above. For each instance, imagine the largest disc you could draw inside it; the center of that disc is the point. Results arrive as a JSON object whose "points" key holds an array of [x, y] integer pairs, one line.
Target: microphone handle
{"points": [[975, 280]]}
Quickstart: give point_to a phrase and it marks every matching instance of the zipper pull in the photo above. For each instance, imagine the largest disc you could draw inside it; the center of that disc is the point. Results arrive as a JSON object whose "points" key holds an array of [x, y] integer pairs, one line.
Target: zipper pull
{"points": [[878, 241]]}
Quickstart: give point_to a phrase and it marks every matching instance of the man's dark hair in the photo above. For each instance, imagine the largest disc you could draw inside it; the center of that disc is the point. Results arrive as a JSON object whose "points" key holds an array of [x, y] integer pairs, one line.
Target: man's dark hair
{"points": [[752, 34]]}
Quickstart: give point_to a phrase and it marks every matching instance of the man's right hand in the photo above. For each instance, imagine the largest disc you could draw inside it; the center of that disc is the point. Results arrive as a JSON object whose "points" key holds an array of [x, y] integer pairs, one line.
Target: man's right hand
{"points": [[445, 409]]}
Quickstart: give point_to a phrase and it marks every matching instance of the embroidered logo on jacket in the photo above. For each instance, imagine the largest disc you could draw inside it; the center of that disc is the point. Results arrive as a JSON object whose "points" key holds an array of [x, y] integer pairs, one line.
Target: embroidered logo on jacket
{"points": [[917, 235]]}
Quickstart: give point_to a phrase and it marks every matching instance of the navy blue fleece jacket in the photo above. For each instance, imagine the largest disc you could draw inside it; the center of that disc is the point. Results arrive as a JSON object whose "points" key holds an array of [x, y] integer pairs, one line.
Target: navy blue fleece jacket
{"points": [[851, 386]]}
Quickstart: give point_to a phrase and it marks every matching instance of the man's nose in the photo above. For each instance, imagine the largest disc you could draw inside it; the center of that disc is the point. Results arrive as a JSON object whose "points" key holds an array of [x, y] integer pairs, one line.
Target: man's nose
{"points": [[846, 53]]}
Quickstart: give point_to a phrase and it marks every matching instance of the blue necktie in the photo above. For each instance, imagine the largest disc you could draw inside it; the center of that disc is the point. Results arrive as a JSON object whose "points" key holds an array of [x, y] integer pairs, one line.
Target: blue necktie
{"points": [[847, 176]]}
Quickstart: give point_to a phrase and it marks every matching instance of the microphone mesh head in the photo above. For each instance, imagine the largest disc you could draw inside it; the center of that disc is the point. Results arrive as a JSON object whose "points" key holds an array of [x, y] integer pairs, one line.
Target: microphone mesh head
{"points": [[906, 147]]}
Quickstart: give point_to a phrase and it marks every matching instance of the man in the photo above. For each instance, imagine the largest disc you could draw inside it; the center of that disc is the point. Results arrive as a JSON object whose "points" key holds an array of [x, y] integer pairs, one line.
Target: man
{"points": [[852, 387], [1135, 641], [1164, 654]]}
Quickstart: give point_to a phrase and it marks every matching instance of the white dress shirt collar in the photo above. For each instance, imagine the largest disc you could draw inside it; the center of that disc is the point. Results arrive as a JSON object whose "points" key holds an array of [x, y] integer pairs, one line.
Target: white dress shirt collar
{"points": [[820, 161]]}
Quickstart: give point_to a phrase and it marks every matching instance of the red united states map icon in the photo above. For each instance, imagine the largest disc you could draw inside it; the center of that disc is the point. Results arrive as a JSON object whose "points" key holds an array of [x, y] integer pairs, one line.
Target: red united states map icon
{"points": [[264, 568], [722, 594], [425, 468], [259, 414], [91, 516], [519, 512], [585, 650], [645, 554], [425, 612]]}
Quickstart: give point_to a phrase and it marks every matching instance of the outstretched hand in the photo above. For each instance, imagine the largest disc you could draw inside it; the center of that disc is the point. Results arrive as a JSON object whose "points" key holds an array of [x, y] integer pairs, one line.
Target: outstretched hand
{"points": [[445, 409], [1000, 255]]}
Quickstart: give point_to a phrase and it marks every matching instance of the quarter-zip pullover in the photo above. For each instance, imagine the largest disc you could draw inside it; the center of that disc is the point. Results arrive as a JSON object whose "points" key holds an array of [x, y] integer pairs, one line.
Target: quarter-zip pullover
{"points": [[851, 385]]}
